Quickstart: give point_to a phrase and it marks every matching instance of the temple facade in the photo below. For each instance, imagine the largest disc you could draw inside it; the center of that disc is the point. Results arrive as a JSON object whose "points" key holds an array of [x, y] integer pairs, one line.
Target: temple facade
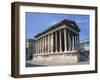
{"points": [[59, 44]]}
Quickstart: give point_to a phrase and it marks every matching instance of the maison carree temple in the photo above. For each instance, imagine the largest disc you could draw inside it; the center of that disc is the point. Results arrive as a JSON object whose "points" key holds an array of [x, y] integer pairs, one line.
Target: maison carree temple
{"points": [[59, 44]]}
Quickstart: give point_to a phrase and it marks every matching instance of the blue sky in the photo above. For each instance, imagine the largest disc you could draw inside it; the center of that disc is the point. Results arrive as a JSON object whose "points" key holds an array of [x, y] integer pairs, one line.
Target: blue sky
{"points": [[37, 22]]}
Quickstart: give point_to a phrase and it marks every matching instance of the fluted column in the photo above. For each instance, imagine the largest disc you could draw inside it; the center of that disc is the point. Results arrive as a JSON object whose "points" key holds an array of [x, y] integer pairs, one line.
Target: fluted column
{"points": [[60, 41], [55, 41], [35, 47], [73, 42], [48, 43], [69, 41], [45, 44], [52, 42], [42, 46], [76, 42], [78, 45], [79, 42], [38, 46], [65, 40]]}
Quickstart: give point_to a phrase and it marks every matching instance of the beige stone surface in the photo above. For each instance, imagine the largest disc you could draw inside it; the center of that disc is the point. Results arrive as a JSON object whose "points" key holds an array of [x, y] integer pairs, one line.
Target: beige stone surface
{"points": [[55, 59]]}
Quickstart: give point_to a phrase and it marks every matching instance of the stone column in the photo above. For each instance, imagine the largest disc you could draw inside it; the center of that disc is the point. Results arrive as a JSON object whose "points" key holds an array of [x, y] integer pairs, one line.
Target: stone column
{"points": [[55, 41], [42, 45], [48, 42], [45, 44], [52, 42], [65, 40], [73, 42], [68, 40], [77, 41], [60, 40], [78, 44], [35, 47], [38, 46]]}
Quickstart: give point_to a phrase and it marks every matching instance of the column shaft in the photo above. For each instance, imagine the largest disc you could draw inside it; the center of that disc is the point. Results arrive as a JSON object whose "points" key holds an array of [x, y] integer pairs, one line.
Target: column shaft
{"points": [[55, 41], [52, 42], [69, 40], [38, 46], [48, 43], [65, 40], [73, 42], [42, 45], [77, 42], [35, 47], [45, 44], [78, 45], [60, 41]]}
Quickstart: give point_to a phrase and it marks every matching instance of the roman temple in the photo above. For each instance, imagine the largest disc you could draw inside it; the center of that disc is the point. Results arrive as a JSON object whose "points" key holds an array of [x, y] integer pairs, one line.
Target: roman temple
{"points": [[59, 44]]}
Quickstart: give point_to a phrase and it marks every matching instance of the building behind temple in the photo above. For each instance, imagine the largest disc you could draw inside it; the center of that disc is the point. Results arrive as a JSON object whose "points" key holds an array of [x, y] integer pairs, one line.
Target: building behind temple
{"points": [[60, 43], [84, 50], [30, 48], [84, 45]]}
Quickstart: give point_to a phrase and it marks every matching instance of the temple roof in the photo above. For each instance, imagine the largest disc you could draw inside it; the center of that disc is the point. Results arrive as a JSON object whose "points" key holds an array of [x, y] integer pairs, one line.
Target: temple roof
{"points": [[66, 22]]}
